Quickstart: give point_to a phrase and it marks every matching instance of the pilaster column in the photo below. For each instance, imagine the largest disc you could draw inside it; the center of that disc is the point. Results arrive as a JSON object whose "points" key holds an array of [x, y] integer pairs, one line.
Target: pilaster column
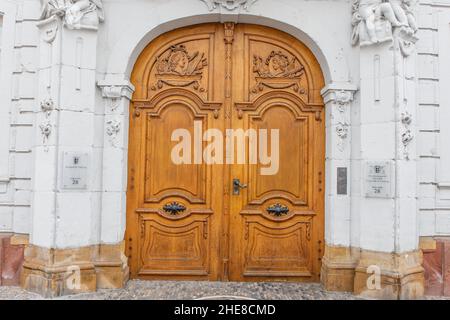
{"points": [[116, 95], [66, 254], [338, 264], [63, 200], [390, 264], [384, 225]]}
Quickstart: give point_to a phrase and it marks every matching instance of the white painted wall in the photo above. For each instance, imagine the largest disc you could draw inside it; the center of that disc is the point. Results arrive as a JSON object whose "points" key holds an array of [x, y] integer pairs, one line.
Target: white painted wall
{"points": [[434, 117], [17, 98], [8, 13]]}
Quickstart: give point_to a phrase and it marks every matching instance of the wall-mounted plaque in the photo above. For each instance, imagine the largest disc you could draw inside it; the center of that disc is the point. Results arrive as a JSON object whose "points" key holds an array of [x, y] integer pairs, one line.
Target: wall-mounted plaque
{"points": [[378, 179], [342, 179], [75, 166]]}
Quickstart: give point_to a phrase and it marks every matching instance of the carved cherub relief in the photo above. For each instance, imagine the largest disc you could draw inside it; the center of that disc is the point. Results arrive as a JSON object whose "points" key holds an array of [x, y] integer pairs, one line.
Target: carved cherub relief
{"points": [[373, 20], [51, 8], [179, 68], [178, 61], [77, 14], [275, 65], [278, 70], [84, 12]]}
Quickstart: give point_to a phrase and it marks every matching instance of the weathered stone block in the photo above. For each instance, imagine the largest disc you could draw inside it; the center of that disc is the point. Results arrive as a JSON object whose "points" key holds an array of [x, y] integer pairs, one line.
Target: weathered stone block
{"points": [[401, 276]]}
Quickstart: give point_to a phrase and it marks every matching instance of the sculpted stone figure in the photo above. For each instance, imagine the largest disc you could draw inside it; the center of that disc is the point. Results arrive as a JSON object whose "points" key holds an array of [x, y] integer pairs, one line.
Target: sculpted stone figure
{"points": [[53, 7], [373, 20], [84, 13], [77, 14], [406, 5]]}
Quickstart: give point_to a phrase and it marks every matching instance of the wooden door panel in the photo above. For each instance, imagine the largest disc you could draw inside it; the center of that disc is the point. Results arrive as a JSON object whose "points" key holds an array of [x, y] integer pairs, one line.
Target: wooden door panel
{"points": [[174, 210], [277, 221], [277, 214], [274, 250], [174, 249], [176, 206], [183, 220], [290, 182], [187, 181]]}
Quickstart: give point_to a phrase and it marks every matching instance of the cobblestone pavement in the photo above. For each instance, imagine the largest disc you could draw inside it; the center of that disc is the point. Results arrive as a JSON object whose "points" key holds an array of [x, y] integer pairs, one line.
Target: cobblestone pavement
{"points": [[178, 290]]}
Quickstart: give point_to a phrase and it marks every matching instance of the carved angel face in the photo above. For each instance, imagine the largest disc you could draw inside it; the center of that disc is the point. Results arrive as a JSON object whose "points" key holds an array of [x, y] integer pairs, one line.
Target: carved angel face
{"points": [[278, 64], [179, 62]]}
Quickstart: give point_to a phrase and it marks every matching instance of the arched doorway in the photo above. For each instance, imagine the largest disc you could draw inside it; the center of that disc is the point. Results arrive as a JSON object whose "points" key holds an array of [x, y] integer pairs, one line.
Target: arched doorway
{"points": [[194, 221]]}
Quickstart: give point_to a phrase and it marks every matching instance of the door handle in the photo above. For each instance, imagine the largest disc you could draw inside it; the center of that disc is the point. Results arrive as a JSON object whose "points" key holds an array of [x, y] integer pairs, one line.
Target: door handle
{"points": [[237, 186]]}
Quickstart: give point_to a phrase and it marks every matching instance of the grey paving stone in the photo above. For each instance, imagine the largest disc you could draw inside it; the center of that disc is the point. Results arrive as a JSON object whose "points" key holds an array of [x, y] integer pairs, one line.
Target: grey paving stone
{"points": [[181, 290]]}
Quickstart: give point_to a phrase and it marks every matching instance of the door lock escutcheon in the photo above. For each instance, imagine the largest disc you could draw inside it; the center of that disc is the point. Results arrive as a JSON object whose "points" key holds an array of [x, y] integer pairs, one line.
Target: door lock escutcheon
{"points": [[237, 186]]}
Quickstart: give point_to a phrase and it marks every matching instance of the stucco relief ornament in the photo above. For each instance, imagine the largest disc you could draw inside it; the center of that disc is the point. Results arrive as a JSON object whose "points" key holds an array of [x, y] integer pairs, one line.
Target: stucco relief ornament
{"points": [[52, 8], [113, 94], [112, 130], [374, 21], [76, 14], [47, 106], [342, 133], [46, 127], [406, 118], [343, 99], [229, 4], [407, 136]]}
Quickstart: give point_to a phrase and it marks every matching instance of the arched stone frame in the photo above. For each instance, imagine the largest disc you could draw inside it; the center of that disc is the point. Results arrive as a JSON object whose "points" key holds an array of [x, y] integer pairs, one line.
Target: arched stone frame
{"points": [[329, 43]]}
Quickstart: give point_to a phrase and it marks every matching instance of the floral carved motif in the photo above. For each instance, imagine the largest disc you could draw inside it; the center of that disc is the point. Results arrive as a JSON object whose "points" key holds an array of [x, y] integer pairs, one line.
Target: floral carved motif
{"points": [[277, 71], [407, 136], [342, 131], [46, 129], [338, 101], [343, 99], [46, 126], [47, 105], [177, 68], [112, 130]]}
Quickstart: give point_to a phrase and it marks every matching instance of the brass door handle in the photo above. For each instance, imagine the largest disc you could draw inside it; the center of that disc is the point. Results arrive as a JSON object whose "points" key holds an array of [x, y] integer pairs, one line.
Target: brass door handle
{"points": [[237, 186]]}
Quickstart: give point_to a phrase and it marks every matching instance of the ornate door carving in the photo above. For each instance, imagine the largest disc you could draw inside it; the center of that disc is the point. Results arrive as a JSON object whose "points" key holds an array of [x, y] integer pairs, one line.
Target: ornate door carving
{"points": [[183, 221]]}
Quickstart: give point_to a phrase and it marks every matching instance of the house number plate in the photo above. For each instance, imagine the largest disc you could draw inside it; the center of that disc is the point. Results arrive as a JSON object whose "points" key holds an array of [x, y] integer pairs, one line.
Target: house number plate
{"points": [[75, 166], [378, 180]]}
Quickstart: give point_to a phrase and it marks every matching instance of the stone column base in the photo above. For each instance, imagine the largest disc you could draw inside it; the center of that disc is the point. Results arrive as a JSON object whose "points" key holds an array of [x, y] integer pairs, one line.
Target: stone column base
{"points": [[390, 276], [338, 269], [371, 274], [111, 266], [58, 272]]}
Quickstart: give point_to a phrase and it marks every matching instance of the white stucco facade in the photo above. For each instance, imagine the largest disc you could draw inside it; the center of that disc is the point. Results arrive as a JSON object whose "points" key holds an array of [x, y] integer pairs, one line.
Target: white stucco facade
{"points": [[85, 73]]}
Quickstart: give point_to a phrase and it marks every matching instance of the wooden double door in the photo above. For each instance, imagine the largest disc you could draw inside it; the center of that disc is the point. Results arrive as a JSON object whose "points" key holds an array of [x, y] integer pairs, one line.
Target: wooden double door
{"points": [[241, 219]]}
